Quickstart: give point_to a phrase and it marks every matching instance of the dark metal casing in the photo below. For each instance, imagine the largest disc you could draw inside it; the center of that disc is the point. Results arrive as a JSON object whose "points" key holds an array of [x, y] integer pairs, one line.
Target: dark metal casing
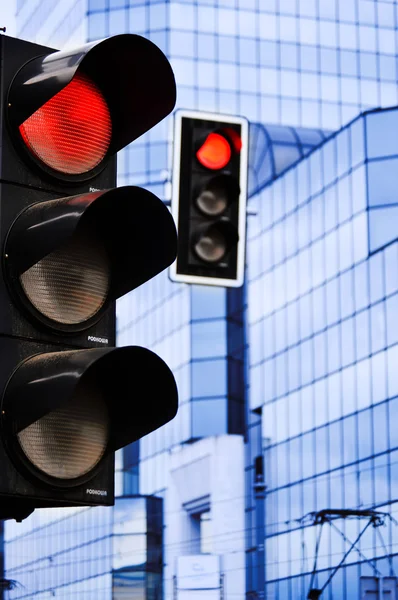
{"points": [[42, 364]]}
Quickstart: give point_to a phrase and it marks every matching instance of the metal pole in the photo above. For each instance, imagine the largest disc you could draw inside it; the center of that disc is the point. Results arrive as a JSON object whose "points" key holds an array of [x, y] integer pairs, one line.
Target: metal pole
{"points": [[259, 489], [259, 494]]}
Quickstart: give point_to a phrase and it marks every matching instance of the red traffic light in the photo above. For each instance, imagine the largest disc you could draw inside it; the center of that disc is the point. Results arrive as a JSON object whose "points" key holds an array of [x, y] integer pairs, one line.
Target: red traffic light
{"points": [[235, 138], [71, 132], [209, 198], [215, 152], [74, 110]]}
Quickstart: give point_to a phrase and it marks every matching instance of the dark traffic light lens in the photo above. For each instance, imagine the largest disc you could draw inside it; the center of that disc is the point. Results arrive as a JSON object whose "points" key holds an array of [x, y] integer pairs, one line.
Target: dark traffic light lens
{"points": [[212, 202], [215, 196], [211, 246], [70, 285], [71, 132], [215, 152], [69, 442]]}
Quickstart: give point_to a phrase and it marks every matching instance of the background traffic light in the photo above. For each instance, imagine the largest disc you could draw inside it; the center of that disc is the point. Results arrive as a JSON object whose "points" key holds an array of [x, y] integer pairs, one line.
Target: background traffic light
{"points": [[71, 245], [209, 198]]}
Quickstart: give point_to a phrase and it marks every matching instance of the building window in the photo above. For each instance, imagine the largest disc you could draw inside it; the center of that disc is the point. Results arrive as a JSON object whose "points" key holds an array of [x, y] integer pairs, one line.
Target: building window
{"points": [[202, 526]]}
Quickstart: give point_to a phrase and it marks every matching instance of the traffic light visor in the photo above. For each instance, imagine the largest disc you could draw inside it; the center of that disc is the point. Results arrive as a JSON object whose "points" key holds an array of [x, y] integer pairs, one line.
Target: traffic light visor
{"points": [[73, 109], [66, 259], [62, 412]]}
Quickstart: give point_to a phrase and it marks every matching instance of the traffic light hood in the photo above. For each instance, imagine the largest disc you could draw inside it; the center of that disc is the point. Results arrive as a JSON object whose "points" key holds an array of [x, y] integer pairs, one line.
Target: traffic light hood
{"points": [[133, 225], [137, 402], [133, 74]]}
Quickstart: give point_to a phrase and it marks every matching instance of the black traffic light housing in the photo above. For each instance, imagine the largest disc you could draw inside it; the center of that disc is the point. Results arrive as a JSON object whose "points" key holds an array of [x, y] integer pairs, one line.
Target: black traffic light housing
{"points": [[131, 74], [71, 244], [209, 185]]}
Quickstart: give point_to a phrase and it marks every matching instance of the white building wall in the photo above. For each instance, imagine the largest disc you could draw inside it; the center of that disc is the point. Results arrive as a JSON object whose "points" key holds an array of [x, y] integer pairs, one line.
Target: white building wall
{"points": [[214, 468]]}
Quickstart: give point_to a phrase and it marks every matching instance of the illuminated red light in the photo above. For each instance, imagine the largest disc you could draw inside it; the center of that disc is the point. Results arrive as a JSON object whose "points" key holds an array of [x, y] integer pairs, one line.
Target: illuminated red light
{"points": [[71, 132], [215, 152], [235, 138]]}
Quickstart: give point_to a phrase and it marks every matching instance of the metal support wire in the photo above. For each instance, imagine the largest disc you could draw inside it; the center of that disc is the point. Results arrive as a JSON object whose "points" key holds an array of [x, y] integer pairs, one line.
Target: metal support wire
{"points": [[303, 560], [329, 579], [313, 574], [388, 554], [376, 518], [345, 538]]}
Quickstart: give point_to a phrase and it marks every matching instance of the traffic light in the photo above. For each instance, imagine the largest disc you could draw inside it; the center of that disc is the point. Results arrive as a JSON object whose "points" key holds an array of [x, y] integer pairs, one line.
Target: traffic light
{"points": [[209, 198], [72, 244]]}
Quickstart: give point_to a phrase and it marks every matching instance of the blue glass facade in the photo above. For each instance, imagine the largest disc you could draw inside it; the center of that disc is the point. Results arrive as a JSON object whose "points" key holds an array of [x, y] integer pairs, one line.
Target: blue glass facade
{"points": [[92, 554], [305, 63], [315, 363], [51, 23], [322, 294], [274, 148]]}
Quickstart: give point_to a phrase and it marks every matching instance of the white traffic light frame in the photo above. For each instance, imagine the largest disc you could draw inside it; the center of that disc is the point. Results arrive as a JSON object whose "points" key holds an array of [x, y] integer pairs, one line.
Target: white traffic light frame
{"points": [[179, 115]]}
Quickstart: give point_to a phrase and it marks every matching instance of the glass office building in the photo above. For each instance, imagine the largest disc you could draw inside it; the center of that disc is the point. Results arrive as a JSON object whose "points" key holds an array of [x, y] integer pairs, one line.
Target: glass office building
{"points": [[90, 554], [298, 366], [51, 22], [322, 313]]}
